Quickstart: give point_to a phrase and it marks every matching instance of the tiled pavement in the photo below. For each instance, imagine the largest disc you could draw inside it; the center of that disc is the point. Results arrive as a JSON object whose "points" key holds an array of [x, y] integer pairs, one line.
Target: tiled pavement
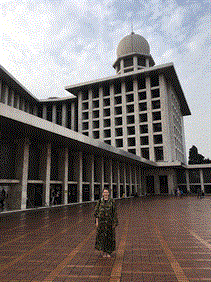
{"points": [[158, 239]]}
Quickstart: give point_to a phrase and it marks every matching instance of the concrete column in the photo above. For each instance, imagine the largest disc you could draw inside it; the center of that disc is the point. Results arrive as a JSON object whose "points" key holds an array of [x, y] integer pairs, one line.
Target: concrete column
{"points": [[54, 113], [171, 183], [92, 178], [1, 91], [125, 180], [101, 113], [122, 66], [201, 179], [47, 175], [136, 184], [102, 174], [149, 115], [44, 112], [64, 115], [147, 62], [90, 114], [112, 115], [80, 112], [24, 177], [135, 63], [6, 95], [130, 180], [187, 180], [73, 125], [80, 178], [111, 177], [65, 175], [124, 121], [136, 112], [118, 180], [12, 98]]}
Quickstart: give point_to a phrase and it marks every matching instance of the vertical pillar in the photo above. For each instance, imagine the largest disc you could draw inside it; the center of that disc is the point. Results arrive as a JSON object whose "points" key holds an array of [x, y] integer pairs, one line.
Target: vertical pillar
{"points": [[171, 183], [92, 178], [1, 91], [44, 112], [102, 174], [73, 116], [35, 110], [125, 180], [157, 182], [24, 177], [64, 115], [80, 112], [122, 66], [90, 113], [124, 121], [201, 179], [149, 115], [18, 102], [118, 180], [130, 180], [54, 114], [80, 177], [187, 181], [135, 63], [6, 95], [47, 175], [112, 115], [136, 112], [101, 113], [147, 62], [136, 182], [65, 175], [111, 177]]}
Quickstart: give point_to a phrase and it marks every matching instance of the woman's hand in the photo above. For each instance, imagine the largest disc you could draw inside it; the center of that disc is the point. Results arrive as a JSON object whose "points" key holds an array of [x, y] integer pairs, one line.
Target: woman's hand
{"points": [[96, 222]]}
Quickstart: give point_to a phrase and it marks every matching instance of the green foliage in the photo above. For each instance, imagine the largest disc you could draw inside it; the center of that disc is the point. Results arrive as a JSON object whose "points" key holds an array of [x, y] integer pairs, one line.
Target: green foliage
{"points": [[196, 158]]}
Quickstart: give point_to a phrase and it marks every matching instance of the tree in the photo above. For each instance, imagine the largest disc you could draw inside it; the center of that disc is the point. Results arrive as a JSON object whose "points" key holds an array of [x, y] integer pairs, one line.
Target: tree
{"points": [[195, 157]]}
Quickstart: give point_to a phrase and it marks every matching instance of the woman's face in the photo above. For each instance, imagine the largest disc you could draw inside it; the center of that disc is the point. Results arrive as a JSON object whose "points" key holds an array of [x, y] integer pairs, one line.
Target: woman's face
{"points": [[105, 194]]}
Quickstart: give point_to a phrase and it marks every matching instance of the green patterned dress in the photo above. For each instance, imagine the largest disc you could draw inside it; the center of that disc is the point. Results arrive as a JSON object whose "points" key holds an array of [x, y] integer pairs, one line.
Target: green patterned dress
{"points": [[105, 211]]}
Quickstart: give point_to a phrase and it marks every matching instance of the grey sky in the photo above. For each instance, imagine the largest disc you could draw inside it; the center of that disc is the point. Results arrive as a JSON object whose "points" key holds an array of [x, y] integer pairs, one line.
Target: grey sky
{"points": [[47, 45]]}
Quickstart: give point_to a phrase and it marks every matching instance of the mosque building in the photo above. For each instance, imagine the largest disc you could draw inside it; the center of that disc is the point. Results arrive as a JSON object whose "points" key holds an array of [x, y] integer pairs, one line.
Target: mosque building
{"points": [[124, 132]]}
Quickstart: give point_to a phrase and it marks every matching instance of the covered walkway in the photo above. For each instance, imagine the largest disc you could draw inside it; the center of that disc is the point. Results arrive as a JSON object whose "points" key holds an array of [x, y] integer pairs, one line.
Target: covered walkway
{"points": [[158, 239]]}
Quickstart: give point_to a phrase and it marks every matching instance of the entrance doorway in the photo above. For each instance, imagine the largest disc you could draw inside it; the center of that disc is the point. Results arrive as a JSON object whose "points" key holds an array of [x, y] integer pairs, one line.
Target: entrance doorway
{"points": [[163, 184], [86, 193], [34, 195], [72, 193], [150, 188], [115, 192], [96, 191], [56, 194]]}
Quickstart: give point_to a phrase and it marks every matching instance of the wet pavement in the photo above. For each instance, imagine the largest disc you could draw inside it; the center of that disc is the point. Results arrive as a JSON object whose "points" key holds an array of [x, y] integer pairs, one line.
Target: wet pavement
{"points": [[158, 239]]}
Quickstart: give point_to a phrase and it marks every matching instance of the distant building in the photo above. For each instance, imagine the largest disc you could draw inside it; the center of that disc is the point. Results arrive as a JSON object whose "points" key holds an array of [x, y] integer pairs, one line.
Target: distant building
{"points": [[57, 150]]}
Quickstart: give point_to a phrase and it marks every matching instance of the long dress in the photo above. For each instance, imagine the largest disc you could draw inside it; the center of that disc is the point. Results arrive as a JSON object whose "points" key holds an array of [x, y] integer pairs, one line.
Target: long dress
{"points": [[106, 213]]}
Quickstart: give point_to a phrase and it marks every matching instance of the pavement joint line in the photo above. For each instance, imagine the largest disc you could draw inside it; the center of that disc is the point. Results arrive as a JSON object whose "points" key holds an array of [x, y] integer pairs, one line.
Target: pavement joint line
{"points": [[174, 263], [204, 242], [117, 267], [27, 253], [64, 263]]}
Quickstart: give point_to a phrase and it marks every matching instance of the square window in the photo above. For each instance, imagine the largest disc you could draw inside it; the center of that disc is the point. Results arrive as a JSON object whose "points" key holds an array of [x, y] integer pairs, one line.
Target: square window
{"points": [[156, 116], [118, 110], [131, 130], [95, 92], [107, 122], [143, 128], [145, 153], [106, 112], [154, 79], [132, 151], [85, 106], [157, 127], [129, 85], [118, 132], [144, 140], [119, 143], [156, 104], [107, 133], [143, 106], [130, 119], [85, 115], [141, 83], [158, 139], [118, 121], [96, 124], [130, 108], [155, 93], [85, 95], [106, 90], [85, 125], [158, 154], [96, 134], [106, 102], [96, 114], [143, 117], [128, 62], [130, 98], [118, 100], [141, 61], [117, 87], [142, 95], [108, 142], [131, 141]]}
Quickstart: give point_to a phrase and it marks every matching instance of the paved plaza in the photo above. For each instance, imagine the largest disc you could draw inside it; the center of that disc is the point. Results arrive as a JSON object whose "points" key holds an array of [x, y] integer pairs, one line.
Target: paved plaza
{"points": [[158, 239]]}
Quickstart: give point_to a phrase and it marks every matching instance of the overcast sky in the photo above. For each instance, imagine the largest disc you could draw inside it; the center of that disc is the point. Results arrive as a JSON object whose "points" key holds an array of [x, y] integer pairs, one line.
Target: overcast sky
{"points": [[47, 45]]}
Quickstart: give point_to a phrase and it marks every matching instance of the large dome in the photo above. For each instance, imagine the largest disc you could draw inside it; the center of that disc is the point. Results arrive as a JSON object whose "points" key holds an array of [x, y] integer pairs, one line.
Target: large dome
{"points": [[133, 43]]}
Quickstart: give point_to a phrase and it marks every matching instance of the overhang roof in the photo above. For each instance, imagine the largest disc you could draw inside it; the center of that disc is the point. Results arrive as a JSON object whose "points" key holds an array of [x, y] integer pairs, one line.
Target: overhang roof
{"points": [[167, 69]]}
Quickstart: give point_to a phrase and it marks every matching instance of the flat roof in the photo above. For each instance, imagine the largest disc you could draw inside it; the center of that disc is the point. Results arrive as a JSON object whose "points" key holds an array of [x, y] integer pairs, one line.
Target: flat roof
{"points": [[167, 69]]}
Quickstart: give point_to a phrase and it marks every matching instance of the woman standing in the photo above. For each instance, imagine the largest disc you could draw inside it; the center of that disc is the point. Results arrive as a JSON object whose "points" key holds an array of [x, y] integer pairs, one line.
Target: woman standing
{"points": [[106, 221]]}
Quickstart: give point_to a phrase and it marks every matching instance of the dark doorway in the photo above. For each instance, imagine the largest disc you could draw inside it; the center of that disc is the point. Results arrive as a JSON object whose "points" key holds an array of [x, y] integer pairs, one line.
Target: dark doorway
{"points": [[128, 190], [72, 193], [86, 193], [121, 190], [133, 190], [150, 189], [34, 195], [115, 192], [163, 184], [96, 191]]}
